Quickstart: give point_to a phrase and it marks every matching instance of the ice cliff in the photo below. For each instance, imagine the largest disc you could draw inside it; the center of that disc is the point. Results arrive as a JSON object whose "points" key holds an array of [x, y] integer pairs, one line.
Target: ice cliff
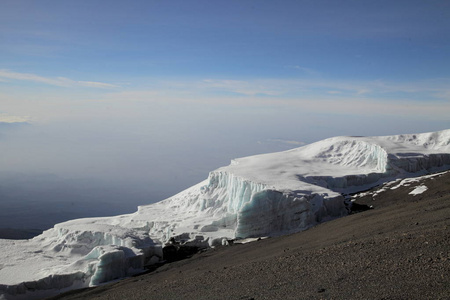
{"points": [[262, 195]]}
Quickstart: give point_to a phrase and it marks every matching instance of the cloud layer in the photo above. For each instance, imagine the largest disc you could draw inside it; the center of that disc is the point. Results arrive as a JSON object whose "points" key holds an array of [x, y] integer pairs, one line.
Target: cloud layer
{"points": [[57, 81]]}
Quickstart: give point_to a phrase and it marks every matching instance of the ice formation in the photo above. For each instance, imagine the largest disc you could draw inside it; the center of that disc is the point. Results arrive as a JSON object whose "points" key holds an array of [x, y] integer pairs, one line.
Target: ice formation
{"points": [[262, 195]]}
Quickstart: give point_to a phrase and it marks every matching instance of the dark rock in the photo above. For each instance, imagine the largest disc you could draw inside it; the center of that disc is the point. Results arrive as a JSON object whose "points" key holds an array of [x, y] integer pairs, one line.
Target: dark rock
{"points": [[174, 252]]}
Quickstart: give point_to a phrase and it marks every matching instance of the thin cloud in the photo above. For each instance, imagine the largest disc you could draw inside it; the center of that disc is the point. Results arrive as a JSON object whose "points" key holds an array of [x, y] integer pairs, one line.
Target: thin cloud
{"points": [[246, 88], [58, 81], [97, 84], [288, 142], [427, 98], [5, 118], [305, 70], [430, 89]]}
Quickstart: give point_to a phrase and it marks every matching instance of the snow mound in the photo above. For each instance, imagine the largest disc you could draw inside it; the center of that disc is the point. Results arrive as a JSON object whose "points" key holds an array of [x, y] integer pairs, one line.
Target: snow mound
{"points": [[255, 196]]}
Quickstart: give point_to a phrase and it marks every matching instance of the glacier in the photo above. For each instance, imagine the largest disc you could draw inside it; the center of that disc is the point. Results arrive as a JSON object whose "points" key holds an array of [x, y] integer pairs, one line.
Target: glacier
{"points": [[256, 196]]}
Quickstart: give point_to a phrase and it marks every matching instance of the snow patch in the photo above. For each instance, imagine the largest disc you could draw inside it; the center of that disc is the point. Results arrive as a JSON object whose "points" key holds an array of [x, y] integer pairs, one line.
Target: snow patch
{"points": [[418, 190]]}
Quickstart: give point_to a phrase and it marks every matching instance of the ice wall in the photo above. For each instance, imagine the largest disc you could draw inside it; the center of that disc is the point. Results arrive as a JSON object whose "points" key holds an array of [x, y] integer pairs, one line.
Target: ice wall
{"points": [[376, 159], [272, 213], [252, 209], [229, 189], [350, 152], [418, 162]]}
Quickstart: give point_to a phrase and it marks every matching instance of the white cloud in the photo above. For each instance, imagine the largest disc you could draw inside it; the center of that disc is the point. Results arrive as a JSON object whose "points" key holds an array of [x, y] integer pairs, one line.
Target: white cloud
{"points": [[5, 118], [57, 81]]}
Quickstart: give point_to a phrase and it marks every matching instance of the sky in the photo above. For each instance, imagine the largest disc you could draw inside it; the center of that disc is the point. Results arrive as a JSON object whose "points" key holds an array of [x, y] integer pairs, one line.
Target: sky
{"points": [[150, 96]]}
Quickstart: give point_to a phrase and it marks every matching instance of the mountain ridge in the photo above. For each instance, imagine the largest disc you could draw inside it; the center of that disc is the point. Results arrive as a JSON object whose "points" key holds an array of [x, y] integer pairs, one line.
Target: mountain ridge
{"points": [[263, 195]]}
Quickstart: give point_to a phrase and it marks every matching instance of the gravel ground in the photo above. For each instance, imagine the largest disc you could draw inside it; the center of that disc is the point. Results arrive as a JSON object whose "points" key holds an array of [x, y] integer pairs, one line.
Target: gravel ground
{"points": [[398, 250]]}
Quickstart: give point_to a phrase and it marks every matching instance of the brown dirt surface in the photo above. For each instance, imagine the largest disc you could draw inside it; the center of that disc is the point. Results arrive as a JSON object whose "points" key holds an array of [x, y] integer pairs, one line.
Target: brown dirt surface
{"points": [[398, 250]]}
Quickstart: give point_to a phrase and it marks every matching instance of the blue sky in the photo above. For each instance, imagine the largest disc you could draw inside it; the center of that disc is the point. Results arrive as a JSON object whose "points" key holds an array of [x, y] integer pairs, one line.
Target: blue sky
{"points": [[165, 91], [113, 40], [132, 45]]}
